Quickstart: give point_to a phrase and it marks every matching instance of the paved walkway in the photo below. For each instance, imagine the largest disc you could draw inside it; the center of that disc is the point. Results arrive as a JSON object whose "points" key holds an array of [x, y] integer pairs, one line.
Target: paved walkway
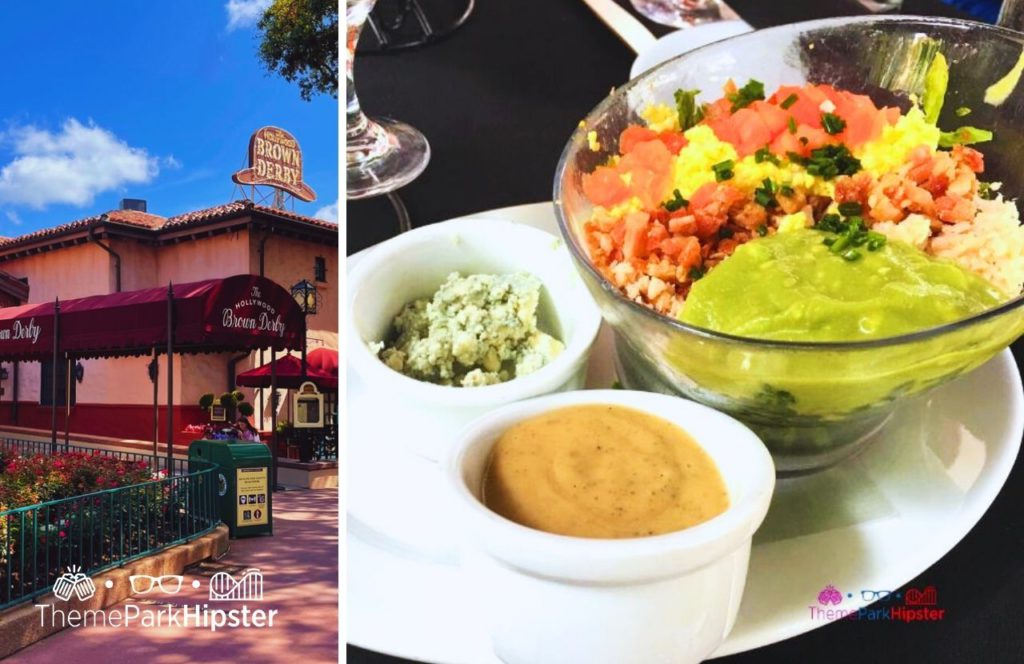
{"points": [[300, 579]]}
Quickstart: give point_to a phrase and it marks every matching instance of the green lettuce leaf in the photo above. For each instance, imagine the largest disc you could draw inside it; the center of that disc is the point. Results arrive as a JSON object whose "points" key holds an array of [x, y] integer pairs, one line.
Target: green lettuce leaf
{"points": [[690, 113], [964, 136], [936, 80]]}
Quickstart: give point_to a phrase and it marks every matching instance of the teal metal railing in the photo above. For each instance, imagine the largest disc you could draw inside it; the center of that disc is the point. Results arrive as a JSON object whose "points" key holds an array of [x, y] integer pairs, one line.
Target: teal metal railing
{"points": [[104, 529]]}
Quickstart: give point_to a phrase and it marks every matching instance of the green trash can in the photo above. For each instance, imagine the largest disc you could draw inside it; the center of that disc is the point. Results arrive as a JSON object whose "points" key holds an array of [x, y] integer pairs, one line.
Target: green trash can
{"points": [[244, 491]]}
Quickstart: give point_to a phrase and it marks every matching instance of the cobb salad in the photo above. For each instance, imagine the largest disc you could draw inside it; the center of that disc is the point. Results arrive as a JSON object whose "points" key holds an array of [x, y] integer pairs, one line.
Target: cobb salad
{"points": [[692, 183]]}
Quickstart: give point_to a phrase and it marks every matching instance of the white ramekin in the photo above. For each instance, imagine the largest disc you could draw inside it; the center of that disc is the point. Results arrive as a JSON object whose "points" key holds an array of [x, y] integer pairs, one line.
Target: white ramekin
{"points": [[413, 265], [666, 598]]}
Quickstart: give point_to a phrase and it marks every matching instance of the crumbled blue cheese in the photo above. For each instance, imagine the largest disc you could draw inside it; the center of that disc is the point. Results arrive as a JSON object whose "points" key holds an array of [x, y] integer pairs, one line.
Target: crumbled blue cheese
{"points": [[480, 329]]}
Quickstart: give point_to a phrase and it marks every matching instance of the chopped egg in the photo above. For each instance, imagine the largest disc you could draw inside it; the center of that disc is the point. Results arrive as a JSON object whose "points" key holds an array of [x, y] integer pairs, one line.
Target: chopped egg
{"points": [[661, 117], [691, 168], [890, 150]]}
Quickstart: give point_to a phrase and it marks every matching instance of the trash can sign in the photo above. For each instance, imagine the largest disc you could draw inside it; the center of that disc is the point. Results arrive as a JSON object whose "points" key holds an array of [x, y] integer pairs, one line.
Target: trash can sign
{"points": [[251, 485]]}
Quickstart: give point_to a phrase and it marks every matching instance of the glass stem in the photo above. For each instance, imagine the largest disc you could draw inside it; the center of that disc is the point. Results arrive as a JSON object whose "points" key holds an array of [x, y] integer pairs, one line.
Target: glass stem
{"points": [[355, 120]]}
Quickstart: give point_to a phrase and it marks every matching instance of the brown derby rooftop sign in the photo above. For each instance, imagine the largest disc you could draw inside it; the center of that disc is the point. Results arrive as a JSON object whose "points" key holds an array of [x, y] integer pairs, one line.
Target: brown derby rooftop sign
{"points": [[275, 160]]}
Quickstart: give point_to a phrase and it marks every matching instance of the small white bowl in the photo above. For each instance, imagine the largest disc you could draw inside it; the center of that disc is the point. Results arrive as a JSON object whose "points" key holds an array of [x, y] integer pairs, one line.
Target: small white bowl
{"points": [[428, 417], [665, 598]]}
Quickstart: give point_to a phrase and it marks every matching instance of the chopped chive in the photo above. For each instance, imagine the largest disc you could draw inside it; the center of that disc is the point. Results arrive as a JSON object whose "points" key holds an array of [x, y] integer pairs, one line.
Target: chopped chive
{"points": [[677, 202], [723, 170], [763, 155], [850, 209], [725, 232], [765, 194], [842, 242], [850, 255], [831, 160], [748, 94], [786, 190], [762, 230], [791, 123], [962, 111], [696, 273], [830, 223], [832, 123], [789, 101]]}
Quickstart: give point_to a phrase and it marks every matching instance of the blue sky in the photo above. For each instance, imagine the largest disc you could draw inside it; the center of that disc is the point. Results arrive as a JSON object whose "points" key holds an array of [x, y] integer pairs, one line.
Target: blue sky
{"points": [[125, 99]]}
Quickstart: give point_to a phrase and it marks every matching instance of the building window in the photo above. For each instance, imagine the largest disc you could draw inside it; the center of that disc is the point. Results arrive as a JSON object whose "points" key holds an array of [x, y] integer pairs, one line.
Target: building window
{"points": [[320, 269], [62, 383]]}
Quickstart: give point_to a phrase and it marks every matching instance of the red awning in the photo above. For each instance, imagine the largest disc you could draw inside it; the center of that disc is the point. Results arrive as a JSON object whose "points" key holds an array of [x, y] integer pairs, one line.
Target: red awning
{"points": [[289, 371], [217, 315]]}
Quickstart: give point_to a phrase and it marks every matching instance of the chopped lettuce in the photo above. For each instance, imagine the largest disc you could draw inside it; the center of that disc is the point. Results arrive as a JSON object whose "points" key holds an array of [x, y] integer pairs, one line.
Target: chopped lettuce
{"points": [[690, 113], [936, 80], [964, 136]]}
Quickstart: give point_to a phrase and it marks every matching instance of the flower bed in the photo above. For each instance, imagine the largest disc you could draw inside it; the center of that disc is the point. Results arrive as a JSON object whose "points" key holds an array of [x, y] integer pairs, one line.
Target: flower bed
{"points": [[39, 478], [92, 509]]}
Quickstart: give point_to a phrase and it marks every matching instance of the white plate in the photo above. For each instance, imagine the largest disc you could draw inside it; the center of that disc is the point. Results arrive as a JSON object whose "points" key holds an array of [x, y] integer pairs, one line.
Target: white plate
{"points": [[872, 523], [681, 41]]}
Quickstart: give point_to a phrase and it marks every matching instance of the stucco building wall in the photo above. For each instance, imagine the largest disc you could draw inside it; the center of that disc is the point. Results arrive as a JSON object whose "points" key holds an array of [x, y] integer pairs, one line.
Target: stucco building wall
{"points": [[116, 395]]}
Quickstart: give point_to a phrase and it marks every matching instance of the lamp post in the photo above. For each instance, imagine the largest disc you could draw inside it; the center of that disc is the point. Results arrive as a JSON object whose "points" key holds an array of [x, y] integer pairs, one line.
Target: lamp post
{"points": [[305, 295]]}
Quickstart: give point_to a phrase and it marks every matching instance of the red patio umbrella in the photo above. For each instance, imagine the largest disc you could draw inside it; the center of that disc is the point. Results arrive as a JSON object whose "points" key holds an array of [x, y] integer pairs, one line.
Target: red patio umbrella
{"points": [[325, 361], [289, 372]]}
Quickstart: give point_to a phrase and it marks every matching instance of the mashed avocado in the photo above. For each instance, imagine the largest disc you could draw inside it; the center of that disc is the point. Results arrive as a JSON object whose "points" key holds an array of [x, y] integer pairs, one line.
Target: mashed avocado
{"points": [[790, 287]]}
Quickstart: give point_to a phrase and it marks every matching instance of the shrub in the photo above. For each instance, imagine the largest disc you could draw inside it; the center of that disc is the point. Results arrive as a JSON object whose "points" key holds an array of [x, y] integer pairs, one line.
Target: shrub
{"points": [[206, 401], [227, 400], [239, 396], [28, 480], [246, 409]]}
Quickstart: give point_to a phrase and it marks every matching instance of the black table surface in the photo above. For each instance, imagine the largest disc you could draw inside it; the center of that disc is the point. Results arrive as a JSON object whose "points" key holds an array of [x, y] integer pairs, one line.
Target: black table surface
{"points": [[497, 101]]}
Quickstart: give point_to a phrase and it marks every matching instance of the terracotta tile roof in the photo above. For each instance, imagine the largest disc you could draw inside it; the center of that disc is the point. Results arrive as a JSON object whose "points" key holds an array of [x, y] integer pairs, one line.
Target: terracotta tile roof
{"points": [[156, 222], [80, 224], [237, 207], [136, 218]]}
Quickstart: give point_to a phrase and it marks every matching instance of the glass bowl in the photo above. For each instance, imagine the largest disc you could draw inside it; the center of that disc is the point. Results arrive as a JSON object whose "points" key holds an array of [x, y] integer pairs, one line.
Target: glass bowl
{"points": [[812, 404]]}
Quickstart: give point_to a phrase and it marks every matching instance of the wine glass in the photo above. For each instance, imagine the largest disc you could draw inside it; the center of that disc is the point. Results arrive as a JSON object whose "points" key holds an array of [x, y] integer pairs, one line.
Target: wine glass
{"points": [[381, 155], [683, 13]]}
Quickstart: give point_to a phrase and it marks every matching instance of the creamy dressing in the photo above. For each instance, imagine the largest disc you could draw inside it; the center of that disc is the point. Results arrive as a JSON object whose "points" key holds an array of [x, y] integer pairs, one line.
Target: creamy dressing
{"points": [[602, 471]]}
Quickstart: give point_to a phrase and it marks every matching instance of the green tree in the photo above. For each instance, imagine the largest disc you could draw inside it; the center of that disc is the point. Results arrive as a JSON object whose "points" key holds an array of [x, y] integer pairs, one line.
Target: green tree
{"points": [[300, 42]]}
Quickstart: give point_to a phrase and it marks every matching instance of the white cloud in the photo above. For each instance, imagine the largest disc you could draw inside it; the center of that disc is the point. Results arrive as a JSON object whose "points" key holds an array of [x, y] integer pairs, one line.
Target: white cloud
{"points": [[328, 212], [13, 217], [69, 166], [245, 13]]}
